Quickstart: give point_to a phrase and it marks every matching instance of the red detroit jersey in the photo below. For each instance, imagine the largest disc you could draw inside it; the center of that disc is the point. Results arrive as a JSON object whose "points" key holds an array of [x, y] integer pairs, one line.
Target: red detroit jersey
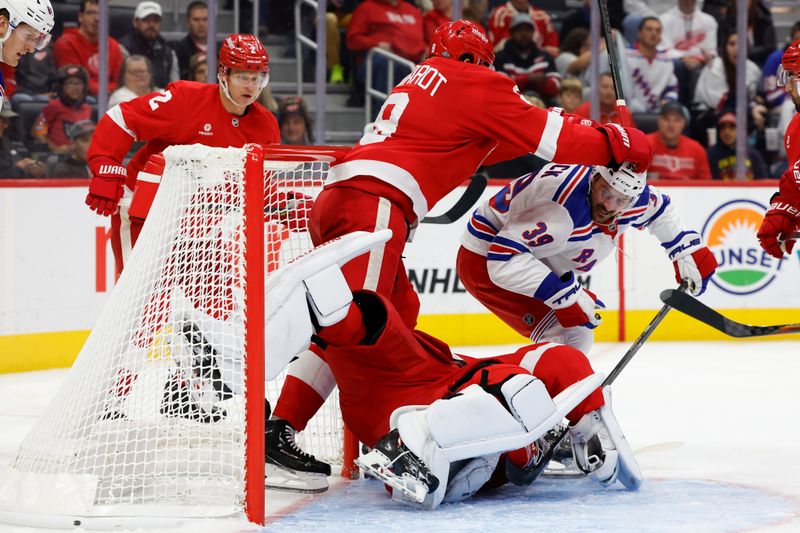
{"points": [[447, 118], [186, 112], [790, 180]]}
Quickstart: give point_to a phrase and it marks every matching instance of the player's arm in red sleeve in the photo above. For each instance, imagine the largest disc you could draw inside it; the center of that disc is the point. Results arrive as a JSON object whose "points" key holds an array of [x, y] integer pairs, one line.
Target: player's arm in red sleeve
{"points": [[147, 117], [359, 38], [547, 135]]}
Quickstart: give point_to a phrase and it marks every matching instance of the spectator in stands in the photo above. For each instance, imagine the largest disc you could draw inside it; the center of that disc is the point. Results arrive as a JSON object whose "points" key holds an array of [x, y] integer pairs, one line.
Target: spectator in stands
{"points": [[75, 166], [136, 79], [636, 10], [531, 68], [198, 68], [500, 19], [570, 94], [690, 36], [195, 40], [722, 156], [578, 18], [36, 75], [716, 86], [78, 46], [296, 127], [442, 12], [337, 19], [66, 109], [651, 69], [761, 39], [608, 101], [676, 156], [776, 95], [146, 40], [14, 164], [575, 55], [392, 25], [268, 101]]}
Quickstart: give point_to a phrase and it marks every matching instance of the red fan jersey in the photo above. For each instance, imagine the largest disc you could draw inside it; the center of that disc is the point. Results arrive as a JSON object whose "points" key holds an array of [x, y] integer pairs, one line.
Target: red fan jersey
{"points": [[186, 112], [447, 118], [790, 181]]}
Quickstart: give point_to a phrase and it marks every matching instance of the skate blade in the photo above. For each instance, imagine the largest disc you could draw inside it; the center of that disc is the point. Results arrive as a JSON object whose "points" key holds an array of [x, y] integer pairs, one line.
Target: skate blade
{"points": [[556, 469], [277, 478], [376, 464]]}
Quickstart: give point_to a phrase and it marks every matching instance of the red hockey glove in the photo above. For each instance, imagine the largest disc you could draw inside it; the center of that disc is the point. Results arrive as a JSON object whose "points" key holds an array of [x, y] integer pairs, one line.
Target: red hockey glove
{"points": [[574, 306], [696, 268], [628, 144], [780, 219], [105, 187], [581, 312]]}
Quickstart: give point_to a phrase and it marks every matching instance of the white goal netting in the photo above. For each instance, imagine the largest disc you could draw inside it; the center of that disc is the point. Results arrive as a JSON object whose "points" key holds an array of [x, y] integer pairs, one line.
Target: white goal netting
{"points": [[151, 418]]}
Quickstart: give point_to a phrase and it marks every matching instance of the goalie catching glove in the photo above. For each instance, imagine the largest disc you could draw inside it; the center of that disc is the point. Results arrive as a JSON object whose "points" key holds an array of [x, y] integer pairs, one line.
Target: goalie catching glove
{"points": [[693, 262], [780, 219], [573, 305], [106, 185]]}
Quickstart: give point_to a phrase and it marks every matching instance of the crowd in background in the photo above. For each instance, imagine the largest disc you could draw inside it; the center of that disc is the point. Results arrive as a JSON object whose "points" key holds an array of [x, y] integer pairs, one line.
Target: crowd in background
{"points": [[678, 74]]}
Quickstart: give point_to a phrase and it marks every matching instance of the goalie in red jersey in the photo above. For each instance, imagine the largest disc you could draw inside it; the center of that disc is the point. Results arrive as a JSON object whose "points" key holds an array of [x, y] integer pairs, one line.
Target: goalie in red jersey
{"points": [[783, 216], [452, 114], [185, 112]]}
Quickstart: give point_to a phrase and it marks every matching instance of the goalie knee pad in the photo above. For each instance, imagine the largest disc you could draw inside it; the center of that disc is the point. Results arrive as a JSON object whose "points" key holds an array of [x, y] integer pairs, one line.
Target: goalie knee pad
{"points": [[601, 449], [469, 477]]}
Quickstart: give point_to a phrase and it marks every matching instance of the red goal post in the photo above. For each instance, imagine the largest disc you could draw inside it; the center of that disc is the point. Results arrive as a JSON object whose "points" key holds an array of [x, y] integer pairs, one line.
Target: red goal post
{"points": [[161, 418]]}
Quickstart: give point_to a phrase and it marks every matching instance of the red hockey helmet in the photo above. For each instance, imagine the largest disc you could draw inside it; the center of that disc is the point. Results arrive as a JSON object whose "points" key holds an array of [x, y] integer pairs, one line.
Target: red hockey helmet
{"points": [[790, 64], [462, 40], [243, 51]]}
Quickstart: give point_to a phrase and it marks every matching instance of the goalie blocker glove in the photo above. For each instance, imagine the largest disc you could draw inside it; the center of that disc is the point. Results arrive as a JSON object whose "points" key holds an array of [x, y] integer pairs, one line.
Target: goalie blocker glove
{"points": [[780, 219], [106, 185], [573, 305]]}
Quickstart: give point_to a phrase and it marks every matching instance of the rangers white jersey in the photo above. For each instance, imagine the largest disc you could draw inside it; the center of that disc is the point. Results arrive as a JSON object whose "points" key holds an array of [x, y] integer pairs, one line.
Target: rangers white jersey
{"points": [[541, 224]]}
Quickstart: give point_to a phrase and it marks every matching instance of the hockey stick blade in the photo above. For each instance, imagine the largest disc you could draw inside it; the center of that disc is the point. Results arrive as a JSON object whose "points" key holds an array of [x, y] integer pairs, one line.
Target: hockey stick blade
{"points": [[692, 307], [472, 194]]}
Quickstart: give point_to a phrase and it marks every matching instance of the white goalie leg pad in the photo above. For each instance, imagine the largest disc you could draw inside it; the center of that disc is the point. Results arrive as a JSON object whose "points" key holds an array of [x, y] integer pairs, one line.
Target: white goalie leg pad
{"points": [[288, 321], [470, 477], [600, 430], [475, 423]]}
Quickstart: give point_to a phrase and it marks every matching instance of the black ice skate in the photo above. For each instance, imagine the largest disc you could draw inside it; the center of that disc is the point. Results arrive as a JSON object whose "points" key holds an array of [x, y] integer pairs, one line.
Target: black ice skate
{"points": [[288, 467], [193, 393], [560, 461], [393, 463]]}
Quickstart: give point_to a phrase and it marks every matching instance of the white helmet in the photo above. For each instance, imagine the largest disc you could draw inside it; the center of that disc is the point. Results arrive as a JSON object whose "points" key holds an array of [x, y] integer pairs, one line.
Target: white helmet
{"points": [[37, 14], [625, 179]]}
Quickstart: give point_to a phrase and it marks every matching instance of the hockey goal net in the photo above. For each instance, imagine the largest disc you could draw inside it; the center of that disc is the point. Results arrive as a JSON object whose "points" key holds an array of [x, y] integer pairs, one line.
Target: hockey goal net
{"points": [[162, 414]]}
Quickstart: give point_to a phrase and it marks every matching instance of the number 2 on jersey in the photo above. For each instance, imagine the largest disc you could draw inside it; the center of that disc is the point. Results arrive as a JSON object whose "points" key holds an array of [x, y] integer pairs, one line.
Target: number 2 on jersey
{"points": [[388, 117], [162, 98]]}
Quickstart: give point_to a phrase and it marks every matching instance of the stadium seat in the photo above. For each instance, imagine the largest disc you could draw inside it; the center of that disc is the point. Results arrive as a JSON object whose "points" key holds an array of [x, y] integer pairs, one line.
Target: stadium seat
{"points": [[647, 122], [28, 111]]}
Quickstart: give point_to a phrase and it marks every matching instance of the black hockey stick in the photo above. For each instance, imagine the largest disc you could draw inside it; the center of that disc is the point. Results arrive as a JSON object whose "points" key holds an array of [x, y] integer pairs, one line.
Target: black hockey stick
{"points": [[637, 344], [692, 307], [477, 183], [613, 63]]}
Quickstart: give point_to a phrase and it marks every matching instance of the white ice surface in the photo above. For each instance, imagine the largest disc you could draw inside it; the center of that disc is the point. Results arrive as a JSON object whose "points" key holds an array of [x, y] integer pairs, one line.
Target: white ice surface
{"points": [[714, 425]]}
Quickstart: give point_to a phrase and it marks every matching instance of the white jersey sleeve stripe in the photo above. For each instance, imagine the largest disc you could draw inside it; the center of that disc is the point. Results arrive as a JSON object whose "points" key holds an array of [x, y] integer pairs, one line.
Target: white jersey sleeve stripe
{"points": [[392, 174], [549, 141], [115, 113]]}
